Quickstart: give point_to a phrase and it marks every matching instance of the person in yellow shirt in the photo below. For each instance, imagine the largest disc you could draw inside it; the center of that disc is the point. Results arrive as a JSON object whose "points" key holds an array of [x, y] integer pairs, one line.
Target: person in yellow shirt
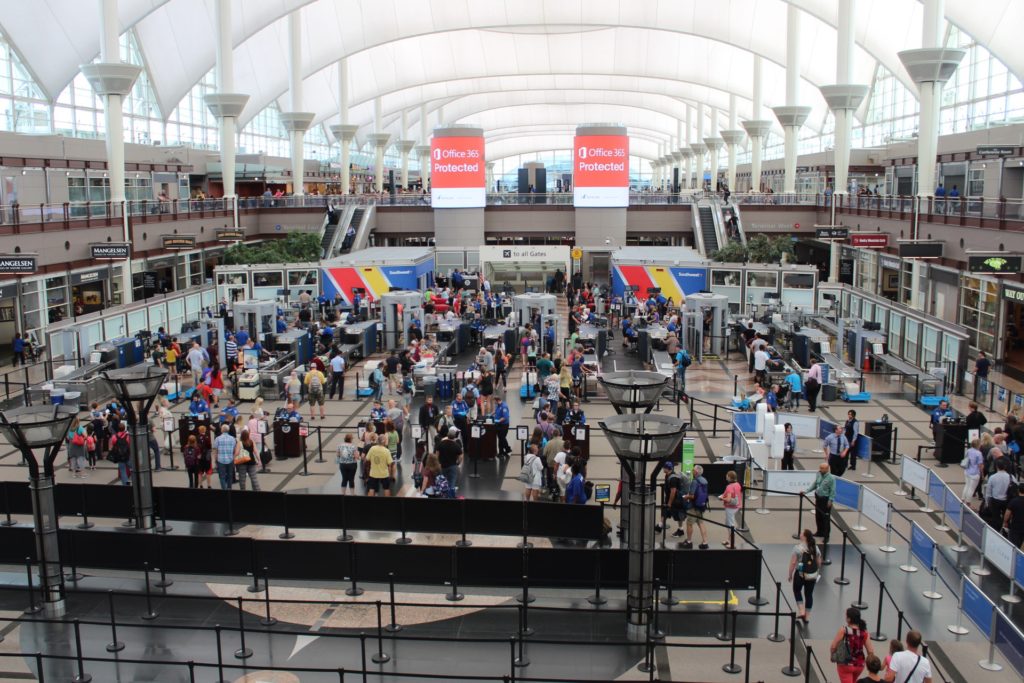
{"points": [[315, 383], [171, 357], [382, 467]]}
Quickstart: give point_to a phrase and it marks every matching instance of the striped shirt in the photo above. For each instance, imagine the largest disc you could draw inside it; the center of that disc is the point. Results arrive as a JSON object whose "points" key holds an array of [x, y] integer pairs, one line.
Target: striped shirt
{"points": [[231, 348]]}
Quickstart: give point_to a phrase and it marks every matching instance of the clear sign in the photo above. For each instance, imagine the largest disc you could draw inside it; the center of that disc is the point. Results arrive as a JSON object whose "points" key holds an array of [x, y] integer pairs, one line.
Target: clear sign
{"points": [[689, 453]]}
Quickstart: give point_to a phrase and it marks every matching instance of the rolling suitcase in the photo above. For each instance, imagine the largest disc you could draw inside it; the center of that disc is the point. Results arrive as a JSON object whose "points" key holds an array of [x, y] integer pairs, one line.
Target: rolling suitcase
{"points": [[528, 381]]}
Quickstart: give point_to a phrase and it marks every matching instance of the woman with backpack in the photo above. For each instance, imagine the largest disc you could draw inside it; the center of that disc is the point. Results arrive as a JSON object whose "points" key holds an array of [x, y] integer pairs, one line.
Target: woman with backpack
{"points": [[205, 444], [850, 647], [803, 573], [245, 461], [120, 453], [532, 475], [193, 457], [76, 449]]}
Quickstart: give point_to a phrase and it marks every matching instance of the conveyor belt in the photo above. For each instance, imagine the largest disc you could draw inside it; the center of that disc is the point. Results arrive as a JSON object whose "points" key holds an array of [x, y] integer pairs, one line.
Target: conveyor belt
{"points": [[902, 366]]}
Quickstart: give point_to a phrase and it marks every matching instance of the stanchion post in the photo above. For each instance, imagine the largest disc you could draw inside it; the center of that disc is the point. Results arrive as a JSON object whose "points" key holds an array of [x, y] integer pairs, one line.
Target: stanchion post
{"points": [[878, 636], [957, 628], [463, 542], [150, 615], [380, 657], [841, 579], [39, 668], [724, 635], [775, 636], [524, 621], [81, 676], [220, 655], [597, 599], [799, 518], [860, 604], [394, 626], [267, 620], [32, 608], [114, 645], [455, 595], [353, 590], [670, 600], [319, 445], [732, 667], [242, 652], [792, 669]]}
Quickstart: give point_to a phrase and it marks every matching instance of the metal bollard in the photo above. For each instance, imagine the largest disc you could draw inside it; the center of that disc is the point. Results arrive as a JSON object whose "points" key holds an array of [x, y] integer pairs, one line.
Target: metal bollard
{"points": [[220, 655], [81, 677], [597, 599], [114, 645], [150, 615], [878, 636], [242, 652], [841, 579], [792, 669], [353, 590], [775, 636], [724, 635], [860, 604], [380, 657], [267, 620], [394, 626], [32, 608], [732, 667]]}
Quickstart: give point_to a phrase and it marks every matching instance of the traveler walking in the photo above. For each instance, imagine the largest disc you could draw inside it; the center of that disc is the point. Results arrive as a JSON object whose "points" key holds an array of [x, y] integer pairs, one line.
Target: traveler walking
{"points": [[824, 488], [909, 666], [804, 566], [850, 646]]}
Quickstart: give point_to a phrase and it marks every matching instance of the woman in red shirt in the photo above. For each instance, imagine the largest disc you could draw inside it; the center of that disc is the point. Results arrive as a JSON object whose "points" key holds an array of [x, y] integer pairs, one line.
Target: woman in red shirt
{"points": [[855, 631]]}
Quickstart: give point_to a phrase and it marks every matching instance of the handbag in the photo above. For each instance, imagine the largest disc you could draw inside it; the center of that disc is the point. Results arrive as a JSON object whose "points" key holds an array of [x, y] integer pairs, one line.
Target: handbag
{"points": [[243, 457], [841, 655]]}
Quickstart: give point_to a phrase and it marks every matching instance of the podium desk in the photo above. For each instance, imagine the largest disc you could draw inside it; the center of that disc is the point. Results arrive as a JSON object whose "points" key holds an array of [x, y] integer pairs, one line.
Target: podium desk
{"points": [[288, 442], [570, 434], [189, 426], [485, 445]]}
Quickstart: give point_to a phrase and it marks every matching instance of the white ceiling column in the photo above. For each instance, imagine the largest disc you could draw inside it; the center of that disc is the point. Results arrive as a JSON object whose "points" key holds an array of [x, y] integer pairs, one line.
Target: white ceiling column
{"points": [[344, 132], [792, 116], [757, 128], [296, 121], [380, 143]]}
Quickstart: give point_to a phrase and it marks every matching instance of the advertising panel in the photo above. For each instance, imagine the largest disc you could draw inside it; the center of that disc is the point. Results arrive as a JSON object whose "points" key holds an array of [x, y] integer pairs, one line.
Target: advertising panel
{"points": [[17, 264], [457, 175], [111, 251], [869, 240], [600, 171]]}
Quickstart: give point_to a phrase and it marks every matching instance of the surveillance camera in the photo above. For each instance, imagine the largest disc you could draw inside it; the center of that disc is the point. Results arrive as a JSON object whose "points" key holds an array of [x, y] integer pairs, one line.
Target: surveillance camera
{"points": [[607, 240]]}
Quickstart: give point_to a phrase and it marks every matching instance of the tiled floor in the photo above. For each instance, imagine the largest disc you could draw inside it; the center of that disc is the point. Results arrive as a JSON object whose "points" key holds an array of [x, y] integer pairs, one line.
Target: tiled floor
{"points": [[325, 634]]}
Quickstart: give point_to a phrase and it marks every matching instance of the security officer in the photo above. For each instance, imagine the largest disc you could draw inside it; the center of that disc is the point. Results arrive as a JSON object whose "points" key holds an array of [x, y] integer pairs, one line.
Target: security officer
{"points": [[837, 449], [852, 432], [575, 415]]}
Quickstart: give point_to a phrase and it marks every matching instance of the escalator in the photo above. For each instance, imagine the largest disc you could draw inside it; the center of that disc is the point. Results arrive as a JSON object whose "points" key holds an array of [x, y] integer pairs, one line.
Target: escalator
{"points": [[732, 222], [354, 222], [329, 230], [708, 230]]}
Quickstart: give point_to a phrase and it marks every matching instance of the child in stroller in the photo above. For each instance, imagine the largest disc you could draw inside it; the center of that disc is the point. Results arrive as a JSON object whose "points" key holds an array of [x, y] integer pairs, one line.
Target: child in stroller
{"points": [[785, 396]]}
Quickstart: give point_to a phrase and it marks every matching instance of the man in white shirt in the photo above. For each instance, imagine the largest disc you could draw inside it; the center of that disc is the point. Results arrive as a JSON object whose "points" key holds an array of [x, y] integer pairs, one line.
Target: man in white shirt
{"points": [[909, 666], [337, 376], [195, 360], [760, 365]]}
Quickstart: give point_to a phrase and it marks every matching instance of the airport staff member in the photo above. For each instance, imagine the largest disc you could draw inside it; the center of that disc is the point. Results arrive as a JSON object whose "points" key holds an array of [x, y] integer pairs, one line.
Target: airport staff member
{"points": [[837, 448], [501, 420], [940, 413], [824, 488], [851, 430]]}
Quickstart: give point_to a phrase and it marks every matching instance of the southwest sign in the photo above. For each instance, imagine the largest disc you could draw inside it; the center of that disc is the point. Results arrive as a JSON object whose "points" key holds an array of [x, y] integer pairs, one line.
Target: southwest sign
{"points": [[869, 240], [600, 171], [457, 176], [17, 264]]}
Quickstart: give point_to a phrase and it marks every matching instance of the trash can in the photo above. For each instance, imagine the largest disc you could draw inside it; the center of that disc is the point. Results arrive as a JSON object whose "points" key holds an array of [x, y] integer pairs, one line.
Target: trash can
{"points": [[57, 397]]}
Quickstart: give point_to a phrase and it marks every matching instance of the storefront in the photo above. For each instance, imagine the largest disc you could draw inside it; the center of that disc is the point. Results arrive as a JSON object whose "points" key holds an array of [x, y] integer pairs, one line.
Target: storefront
{"points": [[89, 291], [979, 312], [1013, 323]]}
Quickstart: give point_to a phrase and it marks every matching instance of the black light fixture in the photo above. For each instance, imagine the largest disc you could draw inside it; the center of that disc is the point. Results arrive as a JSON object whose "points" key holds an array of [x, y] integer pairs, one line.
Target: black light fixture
{"points": [[136, 388], [42, 428]]}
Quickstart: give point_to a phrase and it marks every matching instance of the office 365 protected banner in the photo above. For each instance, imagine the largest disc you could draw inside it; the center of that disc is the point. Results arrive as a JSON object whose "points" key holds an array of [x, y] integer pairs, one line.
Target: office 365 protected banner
{"points": [[457, 176], [600, 172]]}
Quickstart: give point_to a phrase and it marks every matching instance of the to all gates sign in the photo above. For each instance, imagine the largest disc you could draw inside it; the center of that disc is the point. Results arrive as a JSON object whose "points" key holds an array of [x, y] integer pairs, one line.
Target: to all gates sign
{"points": [[457, 177], [600, 171]]}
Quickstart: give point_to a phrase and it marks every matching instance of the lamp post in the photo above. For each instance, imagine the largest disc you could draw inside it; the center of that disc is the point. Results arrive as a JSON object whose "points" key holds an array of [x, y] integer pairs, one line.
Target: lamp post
{"points": [[44, 428], [639, 439], [136, 388]]}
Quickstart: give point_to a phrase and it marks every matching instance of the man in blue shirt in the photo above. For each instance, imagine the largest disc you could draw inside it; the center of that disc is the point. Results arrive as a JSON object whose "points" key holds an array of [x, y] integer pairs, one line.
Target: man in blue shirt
{"points": [[937, 416], [241, 336], [836, 449], [682, 361], [18, 346], [281, 324], [795, 387], [549, 337], [229, 412], [224, 445], [197, 406], [460, 413], [291, 414], [501, 418], [377, 413]]}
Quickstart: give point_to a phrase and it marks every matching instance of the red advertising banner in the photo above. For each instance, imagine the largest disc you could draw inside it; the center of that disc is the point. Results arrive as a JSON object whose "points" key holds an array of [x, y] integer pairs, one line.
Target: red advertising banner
{"points": [[869, 240], [600, 173], [457, 174]]}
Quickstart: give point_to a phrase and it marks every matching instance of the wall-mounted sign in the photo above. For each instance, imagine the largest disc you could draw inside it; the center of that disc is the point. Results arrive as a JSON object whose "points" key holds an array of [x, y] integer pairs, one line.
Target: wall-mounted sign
{"points": [[831, 233], [869, 240], [996, 150], [920, 249], [17, 264], [1011, 293], [846, 271], [179, 241], [889, 262], [90, 276], [994, 264], [457, 175], [111, 251], [230, 235], [600, 171]]}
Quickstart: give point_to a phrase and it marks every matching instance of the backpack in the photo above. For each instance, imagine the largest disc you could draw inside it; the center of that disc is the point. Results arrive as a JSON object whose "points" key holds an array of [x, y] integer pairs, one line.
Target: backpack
{"points": [[809, 564], [314, 382], [374, 382], [700, 495], [675, 481], [684, 358], [441, 487], [191, 457], [120, 451], [78, 439], [526, 473]]}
